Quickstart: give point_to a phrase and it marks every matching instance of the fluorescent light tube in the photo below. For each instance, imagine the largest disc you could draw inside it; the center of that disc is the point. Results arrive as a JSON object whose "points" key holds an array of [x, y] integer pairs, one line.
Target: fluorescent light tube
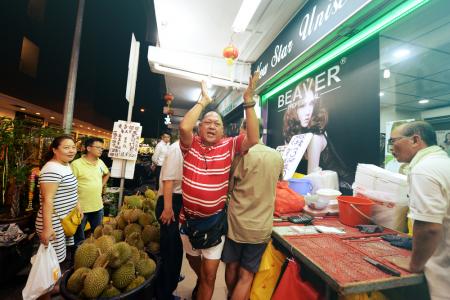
{"points": [[245, 14]]}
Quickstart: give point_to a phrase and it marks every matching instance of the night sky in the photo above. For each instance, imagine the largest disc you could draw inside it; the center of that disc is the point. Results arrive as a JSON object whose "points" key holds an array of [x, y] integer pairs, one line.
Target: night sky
{"points": [[103, 65]]}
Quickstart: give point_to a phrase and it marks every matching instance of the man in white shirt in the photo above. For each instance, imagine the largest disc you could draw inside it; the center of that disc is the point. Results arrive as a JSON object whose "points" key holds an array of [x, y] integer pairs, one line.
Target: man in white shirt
{"points": [[168, 208], [160, 154], [429, 183]]}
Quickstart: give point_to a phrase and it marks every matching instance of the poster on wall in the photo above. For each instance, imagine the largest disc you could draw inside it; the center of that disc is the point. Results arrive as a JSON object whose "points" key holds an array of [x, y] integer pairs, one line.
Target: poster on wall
{"points": [[338, 104], [443, 140]]}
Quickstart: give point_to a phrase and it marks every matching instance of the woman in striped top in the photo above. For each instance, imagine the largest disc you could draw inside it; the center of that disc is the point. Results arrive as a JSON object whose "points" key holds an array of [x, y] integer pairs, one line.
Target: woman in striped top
{"points": [[58, 194]]}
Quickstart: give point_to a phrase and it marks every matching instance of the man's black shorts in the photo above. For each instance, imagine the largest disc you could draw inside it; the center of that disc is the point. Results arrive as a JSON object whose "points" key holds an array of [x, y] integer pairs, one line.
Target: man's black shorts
{"points": [[248, 255]]}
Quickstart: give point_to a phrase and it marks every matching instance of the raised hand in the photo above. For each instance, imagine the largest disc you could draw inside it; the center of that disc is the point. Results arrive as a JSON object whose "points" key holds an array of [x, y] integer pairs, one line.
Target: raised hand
{"points": [[205, 97], [250, 91]]}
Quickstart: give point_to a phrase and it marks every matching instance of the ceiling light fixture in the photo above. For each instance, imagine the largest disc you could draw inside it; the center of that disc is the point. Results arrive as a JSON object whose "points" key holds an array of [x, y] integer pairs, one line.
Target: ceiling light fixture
{"points": [[23, 108], [423, 101], [52, 117], [386, 73], [400, 53], [381, 94], [383, 22], [142, 110], [245, 14], [38, 113]]}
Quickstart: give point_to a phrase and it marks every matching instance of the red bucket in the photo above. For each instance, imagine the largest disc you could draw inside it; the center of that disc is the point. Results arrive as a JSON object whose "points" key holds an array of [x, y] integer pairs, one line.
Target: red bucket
{"points": [[355, 210]]}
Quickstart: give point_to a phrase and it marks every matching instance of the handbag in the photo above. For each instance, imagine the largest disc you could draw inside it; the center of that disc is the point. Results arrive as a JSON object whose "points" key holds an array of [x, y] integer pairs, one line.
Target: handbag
{"points": [[206, 232], [70, 222]]}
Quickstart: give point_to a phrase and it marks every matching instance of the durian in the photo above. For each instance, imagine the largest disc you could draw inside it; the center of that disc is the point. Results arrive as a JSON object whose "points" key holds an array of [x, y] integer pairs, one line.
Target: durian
{"points": [[95, 282], [86, 255], [105, 243], [135, 283], [119, 254], [123, 276], [76, 280], [145, 267]]}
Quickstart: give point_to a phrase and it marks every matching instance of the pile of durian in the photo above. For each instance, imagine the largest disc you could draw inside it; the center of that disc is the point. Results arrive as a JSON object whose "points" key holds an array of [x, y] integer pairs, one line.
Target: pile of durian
{"points": [[114, 259]]}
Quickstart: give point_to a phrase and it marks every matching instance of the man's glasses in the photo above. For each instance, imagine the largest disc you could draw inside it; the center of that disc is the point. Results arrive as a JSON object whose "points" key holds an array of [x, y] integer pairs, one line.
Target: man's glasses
{"points": [[391, 141], [98, 147]]}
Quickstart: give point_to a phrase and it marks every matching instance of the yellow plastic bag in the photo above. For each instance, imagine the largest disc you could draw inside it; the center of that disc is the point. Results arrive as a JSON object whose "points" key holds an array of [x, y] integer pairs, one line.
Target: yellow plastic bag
{"points": [[267, 276]]}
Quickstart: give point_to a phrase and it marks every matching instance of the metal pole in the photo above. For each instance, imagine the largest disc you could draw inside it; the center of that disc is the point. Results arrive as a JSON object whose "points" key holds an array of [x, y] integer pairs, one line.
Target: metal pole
{"points": [[124, 162], [73, 71], [130, 113]]}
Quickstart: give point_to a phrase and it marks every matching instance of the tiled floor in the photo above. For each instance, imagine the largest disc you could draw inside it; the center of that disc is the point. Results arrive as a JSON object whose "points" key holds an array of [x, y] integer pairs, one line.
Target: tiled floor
{"points": [[186, 286]]}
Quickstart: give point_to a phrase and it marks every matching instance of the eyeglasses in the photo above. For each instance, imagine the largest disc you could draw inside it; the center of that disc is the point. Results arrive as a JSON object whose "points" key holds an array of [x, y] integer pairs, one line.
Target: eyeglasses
{"points": [[391, 141], [98, 147]]}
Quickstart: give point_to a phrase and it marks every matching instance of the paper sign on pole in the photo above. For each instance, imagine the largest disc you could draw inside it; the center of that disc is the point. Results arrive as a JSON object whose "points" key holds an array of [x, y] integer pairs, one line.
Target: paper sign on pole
{"points": [[293, 153], [116, 169], [125, 140]]}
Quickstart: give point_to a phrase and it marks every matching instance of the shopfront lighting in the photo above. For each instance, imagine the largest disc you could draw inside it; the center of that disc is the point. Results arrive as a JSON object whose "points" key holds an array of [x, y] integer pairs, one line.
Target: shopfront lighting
{"points": [[380, 24], [245, 14], [386, 73], [142, 110], [401, 53], [424, 101]]}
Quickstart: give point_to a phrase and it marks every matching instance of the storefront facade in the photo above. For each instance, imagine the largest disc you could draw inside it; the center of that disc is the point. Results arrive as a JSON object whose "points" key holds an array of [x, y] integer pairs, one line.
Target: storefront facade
{"points": [[362, 63]]}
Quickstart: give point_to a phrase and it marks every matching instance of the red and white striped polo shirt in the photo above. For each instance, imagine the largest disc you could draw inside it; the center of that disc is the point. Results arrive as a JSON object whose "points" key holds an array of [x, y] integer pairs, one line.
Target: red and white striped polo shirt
{"points": [[206, 171]]}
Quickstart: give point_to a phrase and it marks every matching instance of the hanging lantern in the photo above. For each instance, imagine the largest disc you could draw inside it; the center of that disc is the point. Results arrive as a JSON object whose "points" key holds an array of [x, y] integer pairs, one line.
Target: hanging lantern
{"points": [[168, 97], [230, 53]]}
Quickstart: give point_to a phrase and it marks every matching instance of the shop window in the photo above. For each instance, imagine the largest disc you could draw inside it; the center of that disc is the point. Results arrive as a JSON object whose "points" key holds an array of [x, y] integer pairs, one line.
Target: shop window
{"points": [[415, 71], [29, 58]]}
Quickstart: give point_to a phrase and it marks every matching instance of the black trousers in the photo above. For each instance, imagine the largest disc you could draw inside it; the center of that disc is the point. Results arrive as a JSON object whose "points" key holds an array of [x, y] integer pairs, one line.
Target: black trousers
{"points": [[157, 174], [171, 250]]}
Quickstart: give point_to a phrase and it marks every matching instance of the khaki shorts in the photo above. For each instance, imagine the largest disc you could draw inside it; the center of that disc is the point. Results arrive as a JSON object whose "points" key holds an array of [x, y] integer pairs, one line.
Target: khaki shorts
{"points": [[208, 253]]}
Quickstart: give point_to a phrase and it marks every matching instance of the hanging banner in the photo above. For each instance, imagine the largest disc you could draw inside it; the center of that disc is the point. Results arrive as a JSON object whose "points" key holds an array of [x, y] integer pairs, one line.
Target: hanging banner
{"points": [[313, 22], [339, 105]]}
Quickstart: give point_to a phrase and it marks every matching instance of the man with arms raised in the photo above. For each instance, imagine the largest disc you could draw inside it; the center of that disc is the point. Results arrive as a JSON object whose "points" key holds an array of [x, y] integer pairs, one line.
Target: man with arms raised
{"points": [[206, 170]]}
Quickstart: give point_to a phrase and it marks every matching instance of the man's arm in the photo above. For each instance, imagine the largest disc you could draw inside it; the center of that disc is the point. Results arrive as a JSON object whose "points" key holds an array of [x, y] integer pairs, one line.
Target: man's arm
{"points": [[252, 136], [105, 179], [191, 117], [426, 237], [167, 215]]}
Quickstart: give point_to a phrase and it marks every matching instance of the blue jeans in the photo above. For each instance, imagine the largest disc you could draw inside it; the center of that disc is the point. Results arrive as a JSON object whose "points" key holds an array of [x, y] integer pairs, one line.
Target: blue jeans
{"points": [[95, 218]]}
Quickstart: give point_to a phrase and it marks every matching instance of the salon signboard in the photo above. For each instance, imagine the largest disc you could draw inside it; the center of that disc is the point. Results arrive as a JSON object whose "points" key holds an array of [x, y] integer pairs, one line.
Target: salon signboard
{"points": [[339, 105], [312, 23]]}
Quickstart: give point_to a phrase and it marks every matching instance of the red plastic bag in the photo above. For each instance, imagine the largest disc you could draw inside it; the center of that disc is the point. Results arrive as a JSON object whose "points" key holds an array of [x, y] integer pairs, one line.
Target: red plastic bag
{"points": [[292, 287], [286, 200]]}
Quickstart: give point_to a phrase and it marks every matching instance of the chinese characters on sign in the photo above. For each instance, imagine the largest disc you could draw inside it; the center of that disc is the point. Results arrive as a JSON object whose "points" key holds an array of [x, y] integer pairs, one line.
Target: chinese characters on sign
{"points": [[293, 153], [125, 140]]}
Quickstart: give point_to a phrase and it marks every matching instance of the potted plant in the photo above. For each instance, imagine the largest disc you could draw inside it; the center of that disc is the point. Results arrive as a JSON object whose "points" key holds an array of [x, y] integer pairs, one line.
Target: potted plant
{"points": [[20, 150]]}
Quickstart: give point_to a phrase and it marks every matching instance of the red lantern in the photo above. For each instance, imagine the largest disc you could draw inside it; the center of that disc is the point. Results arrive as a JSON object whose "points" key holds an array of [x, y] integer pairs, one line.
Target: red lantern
{"points": [[168, 97], [230, 53]]}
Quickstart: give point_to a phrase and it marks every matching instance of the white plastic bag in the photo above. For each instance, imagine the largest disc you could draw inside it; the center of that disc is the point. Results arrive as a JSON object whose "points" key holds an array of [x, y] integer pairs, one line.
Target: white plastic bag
{"points": [[44, 273]]}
